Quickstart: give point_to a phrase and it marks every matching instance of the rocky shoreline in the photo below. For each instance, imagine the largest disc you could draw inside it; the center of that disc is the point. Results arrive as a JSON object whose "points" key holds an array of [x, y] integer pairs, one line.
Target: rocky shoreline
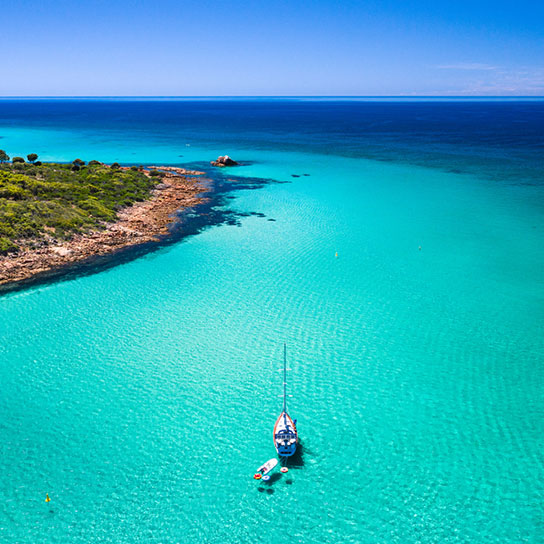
{"points": [[139, 224]]}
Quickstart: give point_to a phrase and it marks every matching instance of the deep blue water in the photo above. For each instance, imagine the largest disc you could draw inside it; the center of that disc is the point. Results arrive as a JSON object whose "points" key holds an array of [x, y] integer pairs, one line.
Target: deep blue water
{"points": [[142, 397], [503, 140]]}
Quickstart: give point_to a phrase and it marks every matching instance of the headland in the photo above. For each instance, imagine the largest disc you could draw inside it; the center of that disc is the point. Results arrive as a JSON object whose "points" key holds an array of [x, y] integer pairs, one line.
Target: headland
{"points": [[54, 216]]}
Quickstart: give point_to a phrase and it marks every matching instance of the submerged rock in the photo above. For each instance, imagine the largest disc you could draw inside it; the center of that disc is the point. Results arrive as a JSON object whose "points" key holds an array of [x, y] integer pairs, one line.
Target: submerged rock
{"points": [[224, 160]]}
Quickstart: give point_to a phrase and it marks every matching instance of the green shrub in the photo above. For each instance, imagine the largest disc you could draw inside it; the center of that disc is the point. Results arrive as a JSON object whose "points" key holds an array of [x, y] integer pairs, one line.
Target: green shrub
{"points": [[97, 208], [6, 246], [17, 159], [39, 200], [12, 191]]}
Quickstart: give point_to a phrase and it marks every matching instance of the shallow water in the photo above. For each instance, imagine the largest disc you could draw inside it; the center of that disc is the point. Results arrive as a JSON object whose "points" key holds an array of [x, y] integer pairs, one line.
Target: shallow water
{"points": [[142, 398]]}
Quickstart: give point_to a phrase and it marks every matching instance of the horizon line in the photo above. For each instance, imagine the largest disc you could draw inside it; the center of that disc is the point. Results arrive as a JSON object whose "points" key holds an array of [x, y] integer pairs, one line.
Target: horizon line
{"points": [[274, 97]]}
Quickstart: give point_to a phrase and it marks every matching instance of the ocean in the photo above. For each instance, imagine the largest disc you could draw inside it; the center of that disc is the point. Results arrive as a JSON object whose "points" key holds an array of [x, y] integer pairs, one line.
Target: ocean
{"points": [[394, 246]]}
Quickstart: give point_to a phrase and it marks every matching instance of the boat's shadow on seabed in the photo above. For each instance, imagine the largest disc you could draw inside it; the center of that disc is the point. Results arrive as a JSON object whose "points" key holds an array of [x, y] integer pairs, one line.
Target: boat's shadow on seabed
{"points": [[297, 460]]}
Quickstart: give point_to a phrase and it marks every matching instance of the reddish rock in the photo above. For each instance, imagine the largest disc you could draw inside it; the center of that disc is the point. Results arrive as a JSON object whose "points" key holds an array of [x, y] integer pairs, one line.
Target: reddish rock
{"points": [[224, 160]]}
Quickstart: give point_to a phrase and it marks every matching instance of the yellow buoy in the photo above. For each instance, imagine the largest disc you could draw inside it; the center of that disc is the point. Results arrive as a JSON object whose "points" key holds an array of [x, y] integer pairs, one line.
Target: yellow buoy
{"points": [[47, 498], [336, 254]]}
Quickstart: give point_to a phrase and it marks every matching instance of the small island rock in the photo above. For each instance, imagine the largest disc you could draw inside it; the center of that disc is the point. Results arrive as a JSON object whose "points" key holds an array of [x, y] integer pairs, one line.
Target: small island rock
{"points": [[224, 161]]}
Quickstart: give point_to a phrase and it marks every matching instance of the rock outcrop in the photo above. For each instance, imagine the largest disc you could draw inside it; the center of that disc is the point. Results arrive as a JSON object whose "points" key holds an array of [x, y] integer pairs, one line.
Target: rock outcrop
{"points": [[224, 161]]}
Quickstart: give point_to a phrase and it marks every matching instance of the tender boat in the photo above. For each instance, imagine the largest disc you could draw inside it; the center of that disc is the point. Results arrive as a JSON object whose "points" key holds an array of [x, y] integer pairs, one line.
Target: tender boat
{"points": [[267, 467], [285, 430]]}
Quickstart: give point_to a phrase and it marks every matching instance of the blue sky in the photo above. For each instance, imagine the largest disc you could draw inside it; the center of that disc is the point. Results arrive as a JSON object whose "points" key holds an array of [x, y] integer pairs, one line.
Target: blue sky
{"points": [[320, 47]]}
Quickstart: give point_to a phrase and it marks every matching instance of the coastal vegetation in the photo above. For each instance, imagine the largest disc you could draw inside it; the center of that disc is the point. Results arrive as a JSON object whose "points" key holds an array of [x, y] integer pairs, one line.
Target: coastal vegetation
{"points": [[42, 203]]}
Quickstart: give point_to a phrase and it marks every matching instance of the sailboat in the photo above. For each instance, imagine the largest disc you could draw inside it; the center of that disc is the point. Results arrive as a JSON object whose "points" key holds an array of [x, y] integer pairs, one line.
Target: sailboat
{"points": [[285, 430]]}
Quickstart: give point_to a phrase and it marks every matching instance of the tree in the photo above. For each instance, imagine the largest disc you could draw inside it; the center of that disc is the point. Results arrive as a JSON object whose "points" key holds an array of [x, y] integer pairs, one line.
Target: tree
{"points": [[94, 163], [3, 156], [115, 165], [17, 159], [78, 162], [32, 157]]}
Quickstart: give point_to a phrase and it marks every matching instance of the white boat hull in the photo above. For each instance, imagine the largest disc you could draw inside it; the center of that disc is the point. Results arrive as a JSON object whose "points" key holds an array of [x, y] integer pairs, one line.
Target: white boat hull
{"points": [[285, 435], [268, 466]]}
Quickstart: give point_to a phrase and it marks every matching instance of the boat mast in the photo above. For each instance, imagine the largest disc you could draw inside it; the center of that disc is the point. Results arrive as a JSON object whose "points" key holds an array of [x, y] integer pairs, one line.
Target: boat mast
{"points": [[284, 377]]}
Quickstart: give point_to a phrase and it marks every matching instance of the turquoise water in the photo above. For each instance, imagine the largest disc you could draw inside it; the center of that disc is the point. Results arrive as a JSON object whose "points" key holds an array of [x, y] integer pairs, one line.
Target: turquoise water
{"points": [[142, 398]]}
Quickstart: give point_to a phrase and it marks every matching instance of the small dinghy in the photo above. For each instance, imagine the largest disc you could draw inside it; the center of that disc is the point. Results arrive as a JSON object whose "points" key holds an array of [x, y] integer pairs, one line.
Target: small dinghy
{"points": [[285, 430], [263, 470]]}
